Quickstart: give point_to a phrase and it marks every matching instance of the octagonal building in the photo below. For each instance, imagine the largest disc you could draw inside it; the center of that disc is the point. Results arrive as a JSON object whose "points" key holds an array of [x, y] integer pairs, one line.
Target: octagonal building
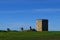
{"points": [[42, 25]]}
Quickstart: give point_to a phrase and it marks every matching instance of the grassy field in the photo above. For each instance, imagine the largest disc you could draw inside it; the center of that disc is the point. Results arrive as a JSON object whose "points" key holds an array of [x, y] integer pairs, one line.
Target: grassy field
{"points": [[29, 35]]}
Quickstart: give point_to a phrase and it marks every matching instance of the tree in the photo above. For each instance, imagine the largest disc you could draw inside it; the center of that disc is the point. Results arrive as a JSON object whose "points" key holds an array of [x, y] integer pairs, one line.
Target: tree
{"points": [[8, 29], [22, 29], [30, 28]]}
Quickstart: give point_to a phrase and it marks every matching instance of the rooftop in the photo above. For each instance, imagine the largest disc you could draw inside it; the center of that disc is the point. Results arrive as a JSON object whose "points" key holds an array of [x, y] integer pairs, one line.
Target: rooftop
{"points": [[42, 19]]}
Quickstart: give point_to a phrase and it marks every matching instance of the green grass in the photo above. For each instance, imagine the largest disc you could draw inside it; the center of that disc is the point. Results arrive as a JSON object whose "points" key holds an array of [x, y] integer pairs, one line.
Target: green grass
{"points": [[29, 35]]}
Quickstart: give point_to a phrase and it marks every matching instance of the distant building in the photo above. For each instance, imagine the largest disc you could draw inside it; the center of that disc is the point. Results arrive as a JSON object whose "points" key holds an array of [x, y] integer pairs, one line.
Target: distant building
{"points": [[42, 25]]}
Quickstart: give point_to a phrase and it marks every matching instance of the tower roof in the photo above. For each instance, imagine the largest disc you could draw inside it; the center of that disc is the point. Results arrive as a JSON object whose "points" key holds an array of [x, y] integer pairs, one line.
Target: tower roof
{"points": [[42, 19]]}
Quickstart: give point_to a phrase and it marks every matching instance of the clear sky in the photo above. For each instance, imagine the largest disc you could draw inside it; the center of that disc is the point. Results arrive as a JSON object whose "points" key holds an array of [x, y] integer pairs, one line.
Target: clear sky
{"points": [[15, 14]]}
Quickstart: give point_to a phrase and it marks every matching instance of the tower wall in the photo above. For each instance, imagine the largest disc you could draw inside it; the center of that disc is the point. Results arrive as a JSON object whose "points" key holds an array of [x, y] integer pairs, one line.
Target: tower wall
{"points": [[44, 25], [39, 25]]}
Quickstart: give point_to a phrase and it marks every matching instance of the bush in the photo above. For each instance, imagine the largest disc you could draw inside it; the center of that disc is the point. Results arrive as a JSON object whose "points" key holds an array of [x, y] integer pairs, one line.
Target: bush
{"points": [[33, 29]]}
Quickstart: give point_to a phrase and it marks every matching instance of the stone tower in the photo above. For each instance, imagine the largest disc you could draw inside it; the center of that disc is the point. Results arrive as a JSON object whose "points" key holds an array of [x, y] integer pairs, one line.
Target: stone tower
{"points": [[42, 25]]}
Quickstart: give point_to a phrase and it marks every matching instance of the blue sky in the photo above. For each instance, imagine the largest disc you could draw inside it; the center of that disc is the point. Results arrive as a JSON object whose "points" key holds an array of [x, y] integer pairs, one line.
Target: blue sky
{"points": [[15, 14]]}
